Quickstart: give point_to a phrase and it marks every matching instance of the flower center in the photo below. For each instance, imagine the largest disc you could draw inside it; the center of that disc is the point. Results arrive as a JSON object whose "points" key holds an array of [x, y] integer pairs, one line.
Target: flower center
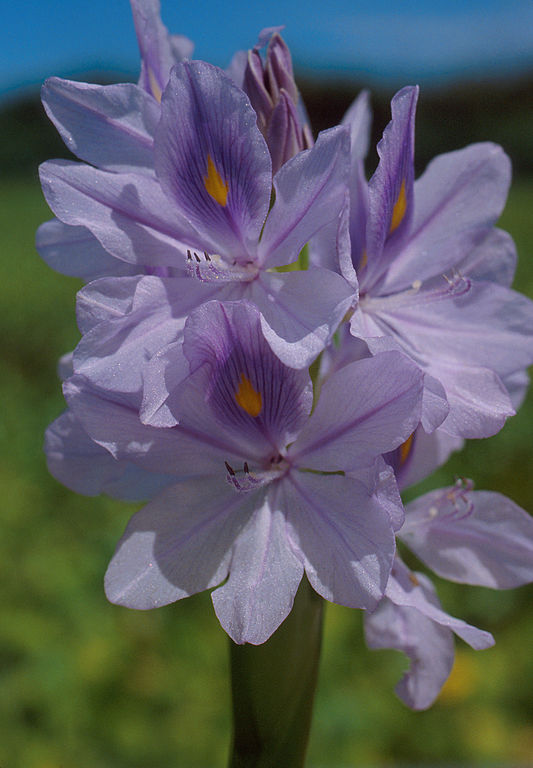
{"points": [[212, 267]]}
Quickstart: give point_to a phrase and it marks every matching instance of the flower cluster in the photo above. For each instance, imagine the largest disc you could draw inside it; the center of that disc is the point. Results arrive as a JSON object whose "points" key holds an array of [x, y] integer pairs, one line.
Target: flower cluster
{"points": [[226, 254]]}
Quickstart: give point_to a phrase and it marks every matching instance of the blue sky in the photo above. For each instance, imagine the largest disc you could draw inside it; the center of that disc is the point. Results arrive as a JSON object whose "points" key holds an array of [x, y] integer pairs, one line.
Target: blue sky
{"points": [[376, 40]]}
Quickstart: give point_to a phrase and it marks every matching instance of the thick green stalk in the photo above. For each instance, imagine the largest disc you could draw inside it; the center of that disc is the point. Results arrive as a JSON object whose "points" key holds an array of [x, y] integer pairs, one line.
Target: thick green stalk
{"points": [[273, 687]]}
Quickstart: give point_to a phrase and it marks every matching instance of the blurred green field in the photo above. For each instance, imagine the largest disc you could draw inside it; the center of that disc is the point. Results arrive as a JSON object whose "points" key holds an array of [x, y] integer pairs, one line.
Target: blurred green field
{"points": [[84, 684]]}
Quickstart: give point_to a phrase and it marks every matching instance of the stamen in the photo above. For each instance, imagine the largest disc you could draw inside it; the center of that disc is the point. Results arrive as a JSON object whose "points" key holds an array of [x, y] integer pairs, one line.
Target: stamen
{"points": [[456, 285], [214, 267], [249, 481]]}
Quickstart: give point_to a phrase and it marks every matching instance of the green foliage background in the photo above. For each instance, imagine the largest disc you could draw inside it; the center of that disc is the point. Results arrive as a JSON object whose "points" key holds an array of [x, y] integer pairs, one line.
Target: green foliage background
{"points": [[84, 684]]}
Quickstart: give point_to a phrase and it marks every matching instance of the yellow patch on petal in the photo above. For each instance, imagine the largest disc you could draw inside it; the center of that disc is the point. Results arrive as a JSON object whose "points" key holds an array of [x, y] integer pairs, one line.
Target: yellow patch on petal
{"points": [[156, 90], [248, 399], [364, 260], [214, 184], [405, 449], [398, 212], [413, 578]]}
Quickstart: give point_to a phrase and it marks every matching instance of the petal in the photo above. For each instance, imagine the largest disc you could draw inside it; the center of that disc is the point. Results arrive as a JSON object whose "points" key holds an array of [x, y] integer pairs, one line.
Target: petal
{"points": [[238, 385], [115, 425], [357, 120], [517, 385], [390, 190], [343, 536], [178, 545], [367, 328], [212, 160], [74, 251], [493, 259], [459, 196], [367, 408], [112, 353], [110, 126], [380, 482], [128, 213], [473, 537], [87, 468], [296, 329], [264, 577], [331, 248], [162, 377], [424, 454], [283, 136], [452, 327], [309, 194], [479, 403], [105, 299], [414, 590], [159, 50], [435, 405], [428, 645]]}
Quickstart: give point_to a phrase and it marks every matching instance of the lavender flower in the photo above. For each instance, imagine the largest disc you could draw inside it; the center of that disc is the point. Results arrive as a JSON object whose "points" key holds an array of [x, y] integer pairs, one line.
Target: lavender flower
{"points": [[433, 272], [472, 537], [203, 229], [111, 127], [260, 489]]}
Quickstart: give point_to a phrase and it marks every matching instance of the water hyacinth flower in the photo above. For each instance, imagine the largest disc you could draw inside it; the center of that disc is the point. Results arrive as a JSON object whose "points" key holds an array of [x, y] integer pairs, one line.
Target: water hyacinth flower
{"points": [[260, 490], [204, 229], [472, 537], [433, 273], [110, 127]]}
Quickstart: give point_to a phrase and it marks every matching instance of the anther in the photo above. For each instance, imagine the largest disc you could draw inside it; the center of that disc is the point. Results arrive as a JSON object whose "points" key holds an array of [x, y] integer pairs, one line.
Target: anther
{"points": [[230, 469]]}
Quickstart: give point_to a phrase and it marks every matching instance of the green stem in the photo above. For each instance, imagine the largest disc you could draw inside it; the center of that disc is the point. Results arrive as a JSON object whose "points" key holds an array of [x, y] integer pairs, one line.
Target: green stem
{"points": [[273, 686]]}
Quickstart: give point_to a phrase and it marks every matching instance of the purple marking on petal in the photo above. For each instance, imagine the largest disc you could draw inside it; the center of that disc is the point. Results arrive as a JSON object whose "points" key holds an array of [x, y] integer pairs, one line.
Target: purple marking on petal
{"points": [[390, 190], [237, 383], [212, 160]]}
